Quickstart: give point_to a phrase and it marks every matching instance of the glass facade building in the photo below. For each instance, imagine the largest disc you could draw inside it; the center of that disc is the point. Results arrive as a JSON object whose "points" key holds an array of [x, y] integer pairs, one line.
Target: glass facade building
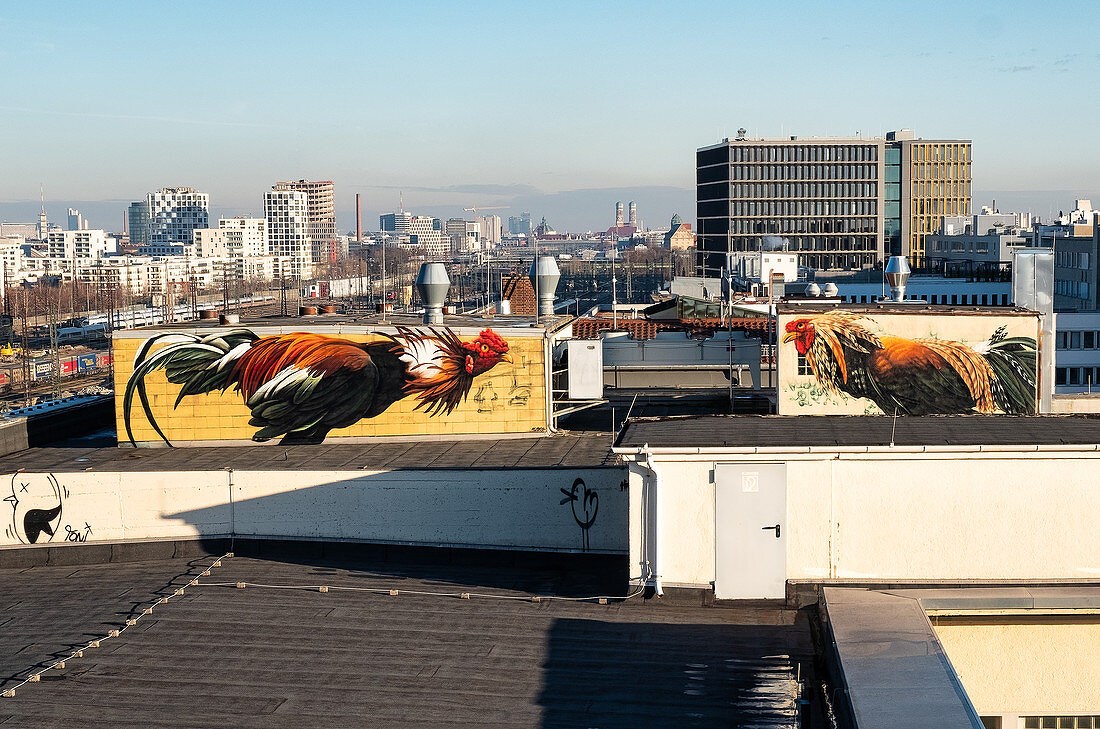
{"points": [[837, 202]]}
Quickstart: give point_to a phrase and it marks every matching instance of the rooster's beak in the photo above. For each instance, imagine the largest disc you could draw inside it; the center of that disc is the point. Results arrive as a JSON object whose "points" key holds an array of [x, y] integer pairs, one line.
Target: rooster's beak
{"points": [[505, 358], [790, 337]]}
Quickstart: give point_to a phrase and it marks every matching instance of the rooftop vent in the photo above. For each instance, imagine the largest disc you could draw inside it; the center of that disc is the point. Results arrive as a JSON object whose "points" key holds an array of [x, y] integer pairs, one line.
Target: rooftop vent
{"points": [[433, 284], [544, 275], [897, 276], [829, 290]]}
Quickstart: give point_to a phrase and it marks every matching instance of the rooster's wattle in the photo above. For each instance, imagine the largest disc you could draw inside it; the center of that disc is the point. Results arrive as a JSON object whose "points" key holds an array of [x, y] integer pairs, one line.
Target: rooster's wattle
{"points": [[303, 385], [917, 376]]}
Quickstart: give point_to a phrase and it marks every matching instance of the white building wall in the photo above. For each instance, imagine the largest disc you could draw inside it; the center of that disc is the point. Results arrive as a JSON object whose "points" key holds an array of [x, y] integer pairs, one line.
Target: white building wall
{"points": [[520, 509], [901, 515]]}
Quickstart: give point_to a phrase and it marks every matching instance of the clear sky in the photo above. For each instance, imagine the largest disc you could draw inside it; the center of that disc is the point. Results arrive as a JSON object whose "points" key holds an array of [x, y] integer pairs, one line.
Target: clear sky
{"points": [[481, 102]]}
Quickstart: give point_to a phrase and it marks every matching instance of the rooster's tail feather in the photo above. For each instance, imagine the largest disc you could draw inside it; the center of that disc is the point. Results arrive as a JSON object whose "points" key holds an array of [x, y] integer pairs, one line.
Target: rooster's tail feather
{"points": [[1013, 360], [200, 364]]}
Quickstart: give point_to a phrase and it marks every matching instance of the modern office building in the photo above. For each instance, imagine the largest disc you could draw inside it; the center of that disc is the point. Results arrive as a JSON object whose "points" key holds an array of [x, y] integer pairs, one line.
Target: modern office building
{"points": [[76, 220], [464, 235], [491, 229], [321, 199], [397, 222], [287, 215], [174, 213], [520, 225], [137, 218], [839, 202], [427, 232]]}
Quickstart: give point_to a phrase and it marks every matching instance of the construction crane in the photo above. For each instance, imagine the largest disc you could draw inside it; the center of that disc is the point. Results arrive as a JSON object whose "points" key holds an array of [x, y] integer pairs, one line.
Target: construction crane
{"points": [[488, 277]]}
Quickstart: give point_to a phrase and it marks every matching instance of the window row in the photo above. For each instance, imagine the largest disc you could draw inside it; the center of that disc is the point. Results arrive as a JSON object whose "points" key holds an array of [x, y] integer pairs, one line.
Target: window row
{"points": [[805, 153], [1072, 259], [1076, 376], [941, 152], [1071, 289], [935, 172], [804, 189], [1078, 340], [803, 172], [804, 207], [955, 299]]}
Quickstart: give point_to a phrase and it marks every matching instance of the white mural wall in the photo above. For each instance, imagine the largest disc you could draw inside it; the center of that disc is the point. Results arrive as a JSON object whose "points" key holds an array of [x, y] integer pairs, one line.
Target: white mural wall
{"points": [[576, 510]]}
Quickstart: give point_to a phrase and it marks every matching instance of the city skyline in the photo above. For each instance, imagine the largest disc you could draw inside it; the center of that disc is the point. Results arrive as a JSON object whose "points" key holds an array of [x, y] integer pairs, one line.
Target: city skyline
{"points": [[538, 105]]}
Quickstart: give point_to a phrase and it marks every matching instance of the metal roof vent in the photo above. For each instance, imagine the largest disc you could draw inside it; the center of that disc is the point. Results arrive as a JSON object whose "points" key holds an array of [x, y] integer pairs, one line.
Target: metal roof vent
{"points": [[433, 284], [544, 275], [829, 290], [897, 275], [813, 290]]}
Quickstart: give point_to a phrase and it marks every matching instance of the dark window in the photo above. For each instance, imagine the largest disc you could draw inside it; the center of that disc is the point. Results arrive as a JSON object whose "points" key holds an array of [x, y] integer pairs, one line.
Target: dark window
{"points": [[1089, 340], [712, 174], [1060, 376], [716, 156], [719, 190]]}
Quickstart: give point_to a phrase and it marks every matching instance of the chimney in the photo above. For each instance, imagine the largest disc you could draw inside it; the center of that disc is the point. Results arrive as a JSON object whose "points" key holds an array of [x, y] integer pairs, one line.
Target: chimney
{"points": [[432, 283], [544, 275], [358, 219], [897, 276]]}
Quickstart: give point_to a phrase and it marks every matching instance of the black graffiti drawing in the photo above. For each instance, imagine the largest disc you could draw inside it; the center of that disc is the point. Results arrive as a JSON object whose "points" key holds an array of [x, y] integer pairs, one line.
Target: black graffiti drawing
{"points": [[77, 535], [589, 502], [486, 397], [36, 503]]}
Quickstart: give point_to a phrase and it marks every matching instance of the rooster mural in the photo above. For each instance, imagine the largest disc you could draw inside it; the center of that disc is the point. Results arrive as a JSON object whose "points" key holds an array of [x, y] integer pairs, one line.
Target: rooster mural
{"points": [[301, 386], [917, 376]]}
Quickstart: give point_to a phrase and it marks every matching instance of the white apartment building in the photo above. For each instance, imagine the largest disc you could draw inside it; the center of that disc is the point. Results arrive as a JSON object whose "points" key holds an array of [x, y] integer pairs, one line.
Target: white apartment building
{"points": [[11, 254], [80, 244], [174, 212], [321, 201], [287, 215], [233, 238]]}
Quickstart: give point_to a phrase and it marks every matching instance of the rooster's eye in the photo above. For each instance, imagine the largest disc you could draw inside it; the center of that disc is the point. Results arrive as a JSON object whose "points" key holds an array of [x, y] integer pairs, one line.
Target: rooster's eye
{"points": [[484, 348]]}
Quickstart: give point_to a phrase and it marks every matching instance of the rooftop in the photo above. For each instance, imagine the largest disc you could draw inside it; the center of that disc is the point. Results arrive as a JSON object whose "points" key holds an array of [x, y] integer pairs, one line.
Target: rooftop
{"points": [[558, 451], [913, 306], [348, 321], [801, 431], [356, 656]]}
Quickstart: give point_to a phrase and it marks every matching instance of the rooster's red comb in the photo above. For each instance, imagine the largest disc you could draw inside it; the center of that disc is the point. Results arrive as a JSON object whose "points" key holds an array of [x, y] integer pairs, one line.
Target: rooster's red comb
{"points": [[494, 340]]}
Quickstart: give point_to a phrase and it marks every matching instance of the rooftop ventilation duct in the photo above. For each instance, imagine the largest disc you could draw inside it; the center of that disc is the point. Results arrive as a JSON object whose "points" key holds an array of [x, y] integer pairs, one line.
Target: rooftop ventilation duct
{"points": [[829, 290], [544, 275], [897, 276], [433, 284]]}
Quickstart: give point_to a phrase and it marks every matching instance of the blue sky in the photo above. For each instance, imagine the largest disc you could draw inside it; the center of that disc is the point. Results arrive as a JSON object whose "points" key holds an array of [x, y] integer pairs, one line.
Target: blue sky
{"points": [[493, 102]]}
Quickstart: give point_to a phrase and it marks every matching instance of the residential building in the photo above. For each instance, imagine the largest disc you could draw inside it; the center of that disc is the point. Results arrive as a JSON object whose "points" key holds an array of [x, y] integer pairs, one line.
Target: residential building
{"points": [[287, 215], [80, 244], [321, 202], [840, 202], [679, 236], [1077, 352], [233, 238], [11, 254], [174, 212], [1076, 277]]}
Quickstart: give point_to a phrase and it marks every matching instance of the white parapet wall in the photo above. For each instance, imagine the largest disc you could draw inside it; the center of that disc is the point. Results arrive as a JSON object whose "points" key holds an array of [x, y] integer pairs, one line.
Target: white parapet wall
{"points": [[880, 514], [572, 510]]}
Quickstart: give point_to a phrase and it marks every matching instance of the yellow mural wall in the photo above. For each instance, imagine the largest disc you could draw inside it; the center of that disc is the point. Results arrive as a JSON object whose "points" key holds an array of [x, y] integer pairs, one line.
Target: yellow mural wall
{"points": [[509, 398], [801, 391]]}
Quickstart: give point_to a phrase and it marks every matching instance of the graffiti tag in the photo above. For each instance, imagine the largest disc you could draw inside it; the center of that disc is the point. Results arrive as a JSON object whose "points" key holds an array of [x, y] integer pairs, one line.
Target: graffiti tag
{"points": [[589, 502]]}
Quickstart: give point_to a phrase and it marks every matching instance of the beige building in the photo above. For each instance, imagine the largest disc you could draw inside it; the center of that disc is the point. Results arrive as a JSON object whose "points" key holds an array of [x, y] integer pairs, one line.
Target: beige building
{"points": [[679, 236]]}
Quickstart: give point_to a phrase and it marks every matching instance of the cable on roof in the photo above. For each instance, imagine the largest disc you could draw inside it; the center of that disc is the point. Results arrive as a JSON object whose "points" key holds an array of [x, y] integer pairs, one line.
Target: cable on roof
{"points": [[114, 632], [602, 599]]}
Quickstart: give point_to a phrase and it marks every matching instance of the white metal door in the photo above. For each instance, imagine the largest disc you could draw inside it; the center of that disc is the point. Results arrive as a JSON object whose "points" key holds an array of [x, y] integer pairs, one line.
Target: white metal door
{"points": [[750, 530]]}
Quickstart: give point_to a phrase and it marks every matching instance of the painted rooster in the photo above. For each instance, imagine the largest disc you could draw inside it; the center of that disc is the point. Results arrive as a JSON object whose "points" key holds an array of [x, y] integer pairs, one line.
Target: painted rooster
{"points": [[303, 385], [917, 376]]}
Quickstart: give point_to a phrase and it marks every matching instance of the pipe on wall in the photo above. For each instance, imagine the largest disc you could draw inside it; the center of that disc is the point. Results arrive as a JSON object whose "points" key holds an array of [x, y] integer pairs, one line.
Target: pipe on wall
{"points": [[655, 506]]}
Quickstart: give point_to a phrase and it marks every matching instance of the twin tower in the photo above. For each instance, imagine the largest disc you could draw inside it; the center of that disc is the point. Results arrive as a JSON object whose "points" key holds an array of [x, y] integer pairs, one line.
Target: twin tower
{"points": [[619, 214]]}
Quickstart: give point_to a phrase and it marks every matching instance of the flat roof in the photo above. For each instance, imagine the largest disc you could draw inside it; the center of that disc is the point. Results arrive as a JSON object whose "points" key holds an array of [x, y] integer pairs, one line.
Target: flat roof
{"points": [[748, 431], [356, 656], [809, 306], [582, 450], [346, 322]]}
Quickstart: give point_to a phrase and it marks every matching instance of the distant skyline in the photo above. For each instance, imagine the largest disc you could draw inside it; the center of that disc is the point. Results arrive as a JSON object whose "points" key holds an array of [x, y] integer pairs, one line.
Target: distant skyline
{"points": [[509, 104]]}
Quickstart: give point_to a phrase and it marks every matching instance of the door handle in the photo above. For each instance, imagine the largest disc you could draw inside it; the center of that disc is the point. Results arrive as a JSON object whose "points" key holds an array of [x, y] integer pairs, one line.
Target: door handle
{"points": [[776, 528]]}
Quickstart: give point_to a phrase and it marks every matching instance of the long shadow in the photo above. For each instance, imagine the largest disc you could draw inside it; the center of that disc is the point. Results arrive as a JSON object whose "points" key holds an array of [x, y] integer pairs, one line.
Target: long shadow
{"points": [[385, 524], [611, 675], [194, 568]]}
